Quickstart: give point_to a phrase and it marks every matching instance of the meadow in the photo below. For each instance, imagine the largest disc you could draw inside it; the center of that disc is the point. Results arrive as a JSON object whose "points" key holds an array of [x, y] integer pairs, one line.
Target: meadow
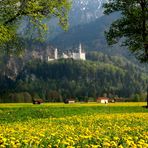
{"points": [[82, 125]]}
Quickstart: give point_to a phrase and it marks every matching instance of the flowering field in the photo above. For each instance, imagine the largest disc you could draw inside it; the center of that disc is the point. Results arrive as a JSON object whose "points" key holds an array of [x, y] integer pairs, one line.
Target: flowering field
{"points": [[77, 125]]}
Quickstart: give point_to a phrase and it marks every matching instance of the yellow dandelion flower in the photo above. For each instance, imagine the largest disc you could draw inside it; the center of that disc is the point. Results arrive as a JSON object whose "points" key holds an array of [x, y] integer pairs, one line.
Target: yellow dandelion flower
{"points": [[106, 144], [120, 146], [116, 138]]}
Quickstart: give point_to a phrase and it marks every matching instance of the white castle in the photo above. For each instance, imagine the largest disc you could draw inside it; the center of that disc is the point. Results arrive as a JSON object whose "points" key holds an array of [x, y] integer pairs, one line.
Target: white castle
{"points": [[76, 56]]}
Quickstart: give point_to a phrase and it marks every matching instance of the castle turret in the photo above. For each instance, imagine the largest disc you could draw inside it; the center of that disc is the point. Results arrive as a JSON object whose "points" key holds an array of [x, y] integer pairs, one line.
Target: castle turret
{"points": [[80, 55], [80, 49], [56, 54]]}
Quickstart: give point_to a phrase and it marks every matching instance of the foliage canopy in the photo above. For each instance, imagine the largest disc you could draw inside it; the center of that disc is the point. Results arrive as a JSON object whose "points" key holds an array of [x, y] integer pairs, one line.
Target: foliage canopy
{"points": [[132, 27], [12, 12]]}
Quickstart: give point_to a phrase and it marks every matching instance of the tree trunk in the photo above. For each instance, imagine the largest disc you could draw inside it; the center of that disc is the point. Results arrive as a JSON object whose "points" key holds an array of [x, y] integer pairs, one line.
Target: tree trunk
{"points": [[147, 97]]}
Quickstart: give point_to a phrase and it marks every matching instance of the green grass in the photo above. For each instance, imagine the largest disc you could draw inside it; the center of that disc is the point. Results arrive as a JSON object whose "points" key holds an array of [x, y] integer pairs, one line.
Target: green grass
{"points": [[113, 125], [23, 112]]}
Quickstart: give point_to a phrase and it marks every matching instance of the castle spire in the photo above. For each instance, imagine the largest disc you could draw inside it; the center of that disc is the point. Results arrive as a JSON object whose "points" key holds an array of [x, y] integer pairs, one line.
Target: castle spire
{"points": [[56, 54], [80, 48]]}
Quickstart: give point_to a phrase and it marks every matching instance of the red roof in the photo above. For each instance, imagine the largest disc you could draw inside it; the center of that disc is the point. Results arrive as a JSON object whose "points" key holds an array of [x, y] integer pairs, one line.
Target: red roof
{"points": [[102, 98]]}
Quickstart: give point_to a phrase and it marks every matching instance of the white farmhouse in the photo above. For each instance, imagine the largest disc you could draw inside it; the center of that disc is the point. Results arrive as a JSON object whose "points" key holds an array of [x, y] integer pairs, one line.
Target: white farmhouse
{"points": [[103, 100]]}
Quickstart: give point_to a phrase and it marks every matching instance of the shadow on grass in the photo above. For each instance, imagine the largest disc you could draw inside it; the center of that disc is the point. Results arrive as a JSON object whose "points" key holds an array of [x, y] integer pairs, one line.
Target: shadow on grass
{"points": [[145, 107]]}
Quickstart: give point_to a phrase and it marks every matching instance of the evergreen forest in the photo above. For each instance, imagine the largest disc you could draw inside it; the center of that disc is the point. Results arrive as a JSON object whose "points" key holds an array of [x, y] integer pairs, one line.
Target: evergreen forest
{"points": [[100, 75]]}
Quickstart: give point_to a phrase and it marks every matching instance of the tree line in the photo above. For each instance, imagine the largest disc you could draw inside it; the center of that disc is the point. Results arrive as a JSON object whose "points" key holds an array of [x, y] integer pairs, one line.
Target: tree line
{"points": [[82, 80]]}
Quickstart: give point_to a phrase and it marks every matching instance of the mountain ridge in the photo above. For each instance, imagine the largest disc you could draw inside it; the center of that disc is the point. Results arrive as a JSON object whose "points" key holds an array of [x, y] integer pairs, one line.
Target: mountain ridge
{"points": [[91, 35]]}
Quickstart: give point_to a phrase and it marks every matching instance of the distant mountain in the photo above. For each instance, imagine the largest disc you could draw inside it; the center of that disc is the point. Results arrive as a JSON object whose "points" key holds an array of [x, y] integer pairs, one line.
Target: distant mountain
{"points": [[91, 35], [85, 11], [82, 12]]}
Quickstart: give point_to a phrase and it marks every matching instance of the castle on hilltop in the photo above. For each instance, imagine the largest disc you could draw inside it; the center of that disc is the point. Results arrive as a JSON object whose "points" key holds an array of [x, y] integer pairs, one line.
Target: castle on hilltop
{"points": [[74, 55], [51, 54]]}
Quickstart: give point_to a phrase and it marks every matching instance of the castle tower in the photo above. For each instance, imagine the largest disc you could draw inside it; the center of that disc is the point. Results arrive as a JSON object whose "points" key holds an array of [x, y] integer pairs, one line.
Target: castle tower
{"points": [[80, 48], [80, 55], [56, 54]]}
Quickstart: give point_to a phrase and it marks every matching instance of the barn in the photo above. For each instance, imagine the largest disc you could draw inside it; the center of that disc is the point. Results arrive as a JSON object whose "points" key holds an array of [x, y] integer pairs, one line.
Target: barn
{"points": [[69, 101], [37, 101]]}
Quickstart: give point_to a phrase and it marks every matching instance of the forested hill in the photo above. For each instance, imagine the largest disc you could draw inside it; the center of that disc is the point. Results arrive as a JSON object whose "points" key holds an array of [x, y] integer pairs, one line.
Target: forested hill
{"points": [[70, 78]]}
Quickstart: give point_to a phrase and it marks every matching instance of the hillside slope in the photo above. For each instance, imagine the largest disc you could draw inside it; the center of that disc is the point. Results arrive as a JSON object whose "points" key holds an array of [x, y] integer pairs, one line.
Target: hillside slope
{"points": [[66, 78]]}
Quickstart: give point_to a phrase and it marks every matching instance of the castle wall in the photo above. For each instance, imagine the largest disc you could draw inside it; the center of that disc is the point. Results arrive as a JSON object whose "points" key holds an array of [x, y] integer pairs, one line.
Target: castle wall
{"points": [[82, 56]]}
